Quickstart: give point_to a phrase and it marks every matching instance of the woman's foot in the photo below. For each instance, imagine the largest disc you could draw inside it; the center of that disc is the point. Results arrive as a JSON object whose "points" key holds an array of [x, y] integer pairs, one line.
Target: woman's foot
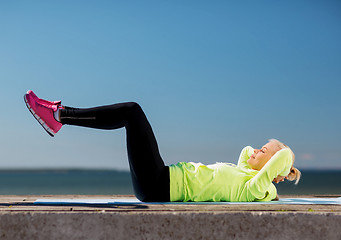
{"points": [[43, 101], [44, 112]]}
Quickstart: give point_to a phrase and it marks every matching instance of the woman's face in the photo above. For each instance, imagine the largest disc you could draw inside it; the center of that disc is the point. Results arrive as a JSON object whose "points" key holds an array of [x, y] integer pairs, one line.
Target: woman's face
{"points": [[261, 156]]}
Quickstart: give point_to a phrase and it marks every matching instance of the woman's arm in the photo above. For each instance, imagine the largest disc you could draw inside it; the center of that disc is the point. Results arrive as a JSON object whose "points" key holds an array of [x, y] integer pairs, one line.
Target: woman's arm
{"points": [[244, 156]]}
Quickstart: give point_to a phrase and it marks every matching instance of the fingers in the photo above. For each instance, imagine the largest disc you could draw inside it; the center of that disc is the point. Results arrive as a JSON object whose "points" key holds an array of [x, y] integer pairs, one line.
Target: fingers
{"points": [[280, 179]]}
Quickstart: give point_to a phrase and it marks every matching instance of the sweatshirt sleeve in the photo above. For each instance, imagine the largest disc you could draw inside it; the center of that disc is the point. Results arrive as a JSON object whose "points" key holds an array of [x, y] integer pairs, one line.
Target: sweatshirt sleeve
{"points": [[244, 156], [279, 164]]}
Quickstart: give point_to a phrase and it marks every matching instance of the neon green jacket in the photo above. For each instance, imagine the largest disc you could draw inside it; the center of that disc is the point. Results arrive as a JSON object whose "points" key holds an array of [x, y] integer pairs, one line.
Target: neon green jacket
{"points": [[227, 182]]}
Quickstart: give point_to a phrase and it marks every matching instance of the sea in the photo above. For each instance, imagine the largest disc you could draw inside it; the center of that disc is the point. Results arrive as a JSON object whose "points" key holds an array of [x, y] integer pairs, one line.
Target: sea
{"points": [[112, 182]]}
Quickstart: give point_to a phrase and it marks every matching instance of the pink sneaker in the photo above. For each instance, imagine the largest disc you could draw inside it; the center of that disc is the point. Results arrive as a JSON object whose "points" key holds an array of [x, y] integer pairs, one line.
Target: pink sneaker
{"points": [[43, 101], [43, 111]]}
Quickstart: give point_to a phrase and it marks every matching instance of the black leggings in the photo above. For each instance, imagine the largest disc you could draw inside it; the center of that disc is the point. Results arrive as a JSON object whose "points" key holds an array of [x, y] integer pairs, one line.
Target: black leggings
{"points": [[149, 174]]}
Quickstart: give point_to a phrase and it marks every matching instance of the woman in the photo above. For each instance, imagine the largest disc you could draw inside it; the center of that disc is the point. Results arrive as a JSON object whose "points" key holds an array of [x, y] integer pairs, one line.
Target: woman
{"points": [[250, 180]]}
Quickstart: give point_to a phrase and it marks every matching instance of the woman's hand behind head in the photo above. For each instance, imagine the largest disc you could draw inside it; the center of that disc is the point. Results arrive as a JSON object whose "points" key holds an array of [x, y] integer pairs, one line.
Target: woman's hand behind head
{"points": [[279, 179]]}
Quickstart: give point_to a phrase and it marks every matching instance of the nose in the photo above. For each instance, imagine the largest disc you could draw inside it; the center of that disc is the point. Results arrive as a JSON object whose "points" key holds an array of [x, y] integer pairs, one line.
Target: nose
{"points": [[256, 150]]}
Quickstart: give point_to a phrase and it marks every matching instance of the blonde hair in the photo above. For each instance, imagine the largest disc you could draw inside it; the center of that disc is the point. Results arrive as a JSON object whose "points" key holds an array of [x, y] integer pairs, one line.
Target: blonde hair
{"points": [[294, 174]]}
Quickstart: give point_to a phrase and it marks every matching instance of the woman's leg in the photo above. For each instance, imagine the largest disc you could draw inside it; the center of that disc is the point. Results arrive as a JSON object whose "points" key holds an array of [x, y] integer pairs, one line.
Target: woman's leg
{"points": [[150, 176]]}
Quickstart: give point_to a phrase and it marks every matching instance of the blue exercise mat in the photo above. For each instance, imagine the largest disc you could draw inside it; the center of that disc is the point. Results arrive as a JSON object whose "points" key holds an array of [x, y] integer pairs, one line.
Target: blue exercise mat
{"points": [[129, 201]]}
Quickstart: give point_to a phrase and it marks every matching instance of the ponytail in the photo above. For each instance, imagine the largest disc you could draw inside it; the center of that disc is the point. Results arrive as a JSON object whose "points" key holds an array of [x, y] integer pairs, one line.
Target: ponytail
{"points": [[294, 174]]}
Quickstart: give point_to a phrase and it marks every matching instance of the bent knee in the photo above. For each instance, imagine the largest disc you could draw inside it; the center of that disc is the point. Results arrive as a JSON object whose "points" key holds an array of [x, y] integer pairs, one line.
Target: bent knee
{"points": [[133, 106]]}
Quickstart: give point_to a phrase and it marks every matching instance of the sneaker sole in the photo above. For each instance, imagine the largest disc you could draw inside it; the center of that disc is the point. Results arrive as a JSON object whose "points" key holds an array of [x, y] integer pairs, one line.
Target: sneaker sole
{"points": [[40, 121]]}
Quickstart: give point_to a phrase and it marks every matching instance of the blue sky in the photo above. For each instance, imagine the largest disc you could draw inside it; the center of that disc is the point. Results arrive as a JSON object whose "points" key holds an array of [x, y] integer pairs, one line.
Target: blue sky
{"points": [[212, 77]]}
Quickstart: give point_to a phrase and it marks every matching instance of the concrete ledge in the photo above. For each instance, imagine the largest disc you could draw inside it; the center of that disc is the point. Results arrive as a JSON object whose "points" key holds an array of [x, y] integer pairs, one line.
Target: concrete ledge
{"points": [[170, 226], [23, 220]]}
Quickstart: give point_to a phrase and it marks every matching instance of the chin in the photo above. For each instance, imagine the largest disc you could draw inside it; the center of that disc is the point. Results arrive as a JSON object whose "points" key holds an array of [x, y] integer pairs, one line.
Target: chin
{"points": [[254, 167]]}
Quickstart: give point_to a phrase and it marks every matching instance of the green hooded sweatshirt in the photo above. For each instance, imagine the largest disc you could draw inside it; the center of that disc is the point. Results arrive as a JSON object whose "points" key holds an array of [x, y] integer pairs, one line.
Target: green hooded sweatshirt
{"points": [[227, 182]]}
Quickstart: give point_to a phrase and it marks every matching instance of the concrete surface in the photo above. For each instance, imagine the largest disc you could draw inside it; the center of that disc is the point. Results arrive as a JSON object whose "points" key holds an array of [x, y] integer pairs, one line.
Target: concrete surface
{"points": [[21, 219]]}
